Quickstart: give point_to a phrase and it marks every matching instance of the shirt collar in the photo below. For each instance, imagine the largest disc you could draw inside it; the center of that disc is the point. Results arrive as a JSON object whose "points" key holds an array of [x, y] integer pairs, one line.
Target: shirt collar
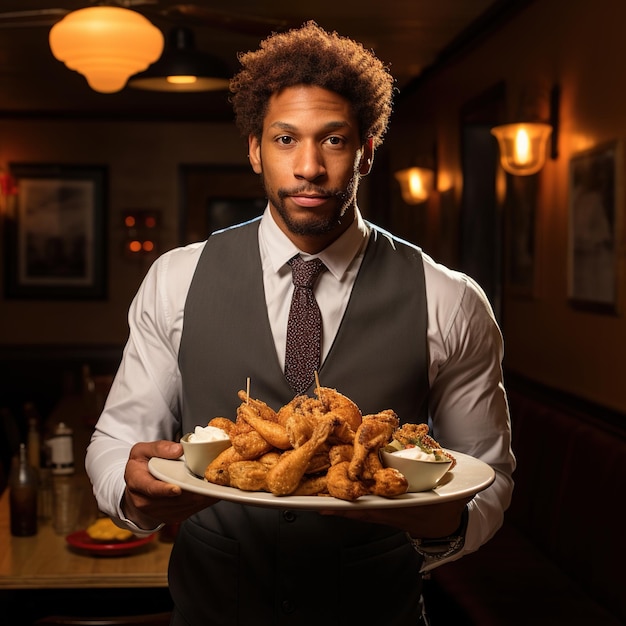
{"points": [[337, 257]]}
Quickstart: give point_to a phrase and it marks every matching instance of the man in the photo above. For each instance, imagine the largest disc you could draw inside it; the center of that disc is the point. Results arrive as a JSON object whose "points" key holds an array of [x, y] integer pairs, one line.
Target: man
{"points": [[398, 331]]}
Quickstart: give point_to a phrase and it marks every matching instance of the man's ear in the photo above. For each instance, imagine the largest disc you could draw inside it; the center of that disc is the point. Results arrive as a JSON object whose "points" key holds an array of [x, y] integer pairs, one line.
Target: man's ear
{"points": [[367, 158], [254, 154]]}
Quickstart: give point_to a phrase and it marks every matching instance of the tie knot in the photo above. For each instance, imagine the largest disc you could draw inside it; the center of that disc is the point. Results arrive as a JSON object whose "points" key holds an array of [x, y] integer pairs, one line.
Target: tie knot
{"points": [[304, 273]]}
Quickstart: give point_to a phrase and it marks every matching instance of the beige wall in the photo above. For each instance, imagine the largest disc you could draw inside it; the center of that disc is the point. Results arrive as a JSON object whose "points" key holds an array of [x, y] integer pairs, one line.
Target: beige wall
{"points": [[580, 45], [142, 160]]}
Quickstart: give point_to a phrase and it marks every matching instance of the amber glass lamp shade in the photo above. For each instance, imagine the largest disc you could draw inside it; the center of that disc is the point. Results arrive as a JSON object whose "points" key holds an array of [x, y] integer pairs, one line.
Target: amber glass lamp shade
{"points": [[416, 184], [523, 147], [106, 45]]}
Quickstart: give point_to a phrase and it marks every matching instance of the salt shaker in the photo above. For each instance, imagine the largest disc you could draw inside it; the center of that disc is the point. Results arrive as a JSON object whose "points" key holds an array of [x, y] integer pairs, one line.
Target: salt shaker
{"points": [[62, 450]]}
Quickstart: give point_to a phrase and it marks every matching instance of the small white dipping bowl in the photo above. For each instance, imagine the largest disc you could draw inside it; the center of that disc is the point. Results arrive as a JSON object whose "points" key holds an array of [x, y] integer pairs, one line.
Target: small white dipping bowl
{"points": [[422, 475], [198, 454]]}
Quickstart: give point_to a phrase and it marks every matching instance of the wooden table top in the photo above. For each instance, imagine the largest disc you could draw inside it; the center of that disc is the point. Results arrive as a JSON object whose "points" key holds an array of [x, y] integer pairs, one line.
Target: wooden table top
{"points": [[47, 561]]}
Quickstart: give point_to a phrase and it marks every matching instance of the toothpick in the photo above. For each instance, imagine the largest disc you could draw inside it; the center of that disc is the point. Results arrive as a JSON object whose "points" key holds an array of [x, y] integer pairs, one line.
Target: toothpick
{"points": [[317, 384], [248, 390]]}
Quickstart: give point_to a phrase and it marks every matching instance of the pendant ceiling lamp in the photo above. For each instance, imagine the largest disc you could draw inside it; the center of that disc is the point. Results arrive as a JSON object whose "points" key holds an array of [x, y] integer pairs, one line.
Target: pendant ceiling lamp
{"points": [[183, 68], [106, 44]]}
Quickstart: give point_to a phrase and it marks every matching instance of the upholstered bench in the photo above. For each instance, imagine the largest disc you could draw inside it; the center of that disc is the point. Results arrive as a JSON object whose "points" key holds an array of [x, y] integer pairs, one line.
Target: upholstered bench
{"points": [[560, 556]]}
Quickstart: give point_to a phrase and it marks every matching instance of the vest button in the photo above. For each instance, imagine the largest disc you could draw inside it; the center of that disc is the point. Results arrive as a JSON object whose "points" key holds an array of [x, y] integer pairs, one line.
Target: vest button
{"points": [[289, 516]]}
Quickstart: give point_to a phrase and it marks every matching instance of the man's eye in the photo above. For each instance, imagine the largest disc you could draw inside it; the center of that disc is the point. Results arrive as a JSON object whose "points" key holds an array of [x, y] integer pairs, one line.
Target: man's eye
{"points": [[335, 141], [285, 140]]}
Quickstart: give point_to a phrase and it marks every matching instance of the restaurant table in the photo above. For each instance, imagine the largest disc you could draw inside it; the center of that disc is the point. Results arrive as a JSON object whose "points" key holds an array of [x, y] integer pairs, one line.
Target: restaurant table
{"points": [[45, 575], [46, 561]]}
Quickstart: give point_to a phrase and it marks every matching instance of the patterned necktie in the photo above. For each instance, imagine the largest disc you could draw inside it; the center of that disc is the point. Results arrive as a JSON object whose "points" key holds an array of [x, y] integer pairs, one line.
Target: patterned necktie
{"points": [[304, 328]]}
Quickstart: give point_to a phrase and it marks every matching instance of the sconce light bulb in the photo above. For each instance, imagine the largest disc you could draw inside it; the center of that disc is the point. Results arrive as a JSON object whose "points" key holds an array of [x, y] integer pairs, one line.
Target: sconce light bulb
{"points": [[523, 147], [416, 184]]}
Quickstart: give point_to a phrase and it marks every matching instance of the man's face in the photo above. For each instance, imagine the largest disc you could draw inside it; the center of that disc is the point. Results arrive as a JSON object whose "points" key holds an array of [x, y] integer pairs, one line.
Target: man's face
{"points": [[311, 159]]}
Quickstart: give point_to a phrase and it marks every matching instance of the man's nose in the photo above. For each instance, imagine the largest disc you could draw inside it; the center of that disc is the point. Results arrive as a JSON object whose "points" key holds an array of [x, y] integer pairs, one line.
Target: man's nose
{"points": [[309, 164]]}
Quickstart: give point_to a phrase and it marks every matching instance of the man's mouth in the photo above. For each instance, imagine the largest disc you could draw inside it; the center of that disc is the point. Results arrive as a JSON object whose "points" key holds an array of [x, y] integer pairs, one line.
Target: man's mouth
{"points": [[308, 201]]}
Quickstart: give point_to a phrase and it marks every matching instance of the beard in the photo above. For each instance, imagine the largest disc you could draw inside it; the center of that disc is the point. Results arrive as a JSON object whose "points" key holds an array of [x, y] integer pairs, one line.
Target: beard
{"points": [[314, 223]]}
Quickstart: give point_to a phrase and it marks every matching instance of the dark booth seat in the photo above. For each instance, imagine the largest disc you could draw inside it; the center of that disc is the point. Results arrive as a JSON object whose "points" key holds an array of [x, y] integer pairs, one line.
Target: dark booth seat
{"points": [[560, 555]]}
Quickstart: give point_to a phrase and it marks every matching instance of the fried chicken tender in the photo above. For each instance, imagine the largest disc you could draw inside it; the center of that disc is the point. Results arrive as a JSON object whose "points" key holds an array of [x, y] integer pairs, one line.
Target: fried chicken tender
{"points": [[217, 470], [302, 415], [250, 445], [340, 452], [371, 465], [285, 476], [263, 410], [410, 433], [341, 486], [374, 432], [417, 435], [312, 486], [320, 462], [228, 426], [389, 482], [300, 418], [248, 475], [272, 432], [339, 405]]}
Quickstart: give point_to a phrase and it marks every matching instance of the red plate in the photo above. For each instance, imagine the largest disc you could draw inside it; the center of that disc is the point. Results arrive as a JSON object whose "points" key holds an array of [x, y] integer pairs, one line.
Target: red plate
{"points": [[81, 540]]}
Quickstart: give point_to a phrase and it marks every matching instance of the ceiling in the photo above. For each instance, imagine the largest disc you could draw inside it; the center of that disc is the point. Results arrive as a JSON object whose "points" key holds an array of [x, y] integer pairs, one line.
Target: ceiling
{"points": [[409, 35]]}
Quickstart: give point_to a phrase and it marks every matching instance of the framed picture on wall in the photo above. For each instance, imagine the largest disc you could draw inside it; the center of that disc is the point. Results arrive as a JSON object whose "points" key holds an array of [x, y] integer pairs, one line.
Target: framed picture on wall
{"points": [[217, 196], [56, 232], [595, 227]]}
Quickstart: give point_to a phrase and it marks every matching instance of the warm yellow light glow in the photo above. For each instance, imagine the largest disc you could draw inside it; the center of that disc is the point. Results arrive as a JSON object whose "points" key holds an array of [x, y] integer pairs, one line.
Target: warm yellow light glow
{"points": [[182, 80], [106, 44], [522, 147], [416, 184]]}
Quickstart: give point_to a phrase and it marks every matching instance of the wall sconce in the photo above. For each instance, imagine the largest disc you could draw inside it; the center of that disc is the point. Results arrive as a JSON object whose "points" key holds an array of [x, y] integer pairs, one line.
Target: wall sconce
{"points": [[416, 184], [523, 146], [142, 233], [183, 68], [106, 44]]}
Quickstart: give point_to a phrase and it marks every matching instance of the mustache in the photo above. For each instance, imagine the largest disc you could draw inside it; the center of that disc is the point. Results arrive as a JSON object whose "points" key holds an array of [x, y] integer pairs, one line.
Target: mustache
{"points": [[312, 190]]}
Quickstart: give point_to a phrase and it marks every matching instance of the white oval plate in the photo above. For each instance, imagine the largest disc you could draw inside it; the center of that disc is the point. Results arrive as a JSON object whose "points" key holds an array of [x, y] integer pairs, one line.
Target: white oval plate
{"points": [[467, 478]]}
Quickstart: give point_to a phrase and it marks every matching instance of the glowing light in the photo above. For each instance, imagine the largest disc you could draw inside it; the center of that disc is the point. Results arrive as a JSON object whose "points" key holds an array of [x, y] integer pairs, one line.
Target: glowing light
{"points": [[416, 184], [522, 147], [107, 45]]}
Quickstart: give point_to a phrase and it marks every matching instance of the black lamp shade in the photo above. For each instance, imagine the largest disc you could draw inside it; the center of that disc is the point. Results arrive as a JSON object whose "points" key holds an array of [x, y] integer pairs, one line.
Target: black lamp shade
{"points": [[179, 64]]}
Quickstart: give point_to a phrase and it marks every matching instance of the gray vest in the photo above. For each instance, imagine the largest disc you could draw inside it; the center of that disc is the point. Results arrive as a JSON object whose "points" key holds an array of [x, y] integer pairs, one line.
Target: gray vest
{"points": [[379, 356], [234, 564]]}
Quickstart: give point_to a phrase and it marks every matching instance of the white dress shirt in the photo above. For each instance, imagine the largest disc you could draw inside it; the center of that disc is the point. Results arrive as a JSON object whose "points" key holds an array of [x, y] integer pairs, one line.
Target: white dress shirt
{"points": [[467, 402]]}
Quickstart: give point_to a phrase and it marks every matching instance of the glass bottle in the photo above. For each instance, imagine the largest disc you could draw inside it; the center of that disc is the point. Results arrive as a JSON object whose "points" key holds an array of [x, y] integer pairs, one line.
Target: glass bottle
{"points": [[23, 495], [33, 445]]}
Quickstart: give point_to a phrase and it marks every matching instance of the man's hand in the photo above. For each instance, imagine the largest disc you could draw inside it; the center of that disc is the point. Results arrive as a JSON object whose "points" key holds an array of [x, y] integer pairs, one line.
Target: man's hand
{"points": [[148, 501], [424, 522]]}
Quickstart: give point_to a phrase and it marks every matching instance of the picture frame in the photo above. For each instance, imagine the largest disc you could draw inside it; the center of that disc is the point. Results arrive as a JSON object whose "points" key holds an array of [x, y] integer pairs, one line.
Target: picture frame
{"points": [[595, 227], [521, 234], [225, 212], [217, 196], [55, 236]]}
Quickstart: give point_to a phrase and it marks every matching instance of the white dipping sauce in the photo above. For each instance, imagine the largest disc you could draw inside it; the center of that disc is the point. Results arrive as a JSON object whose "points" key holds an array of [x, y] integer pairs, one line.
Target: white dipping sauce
{"points": [[207, 433]]}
